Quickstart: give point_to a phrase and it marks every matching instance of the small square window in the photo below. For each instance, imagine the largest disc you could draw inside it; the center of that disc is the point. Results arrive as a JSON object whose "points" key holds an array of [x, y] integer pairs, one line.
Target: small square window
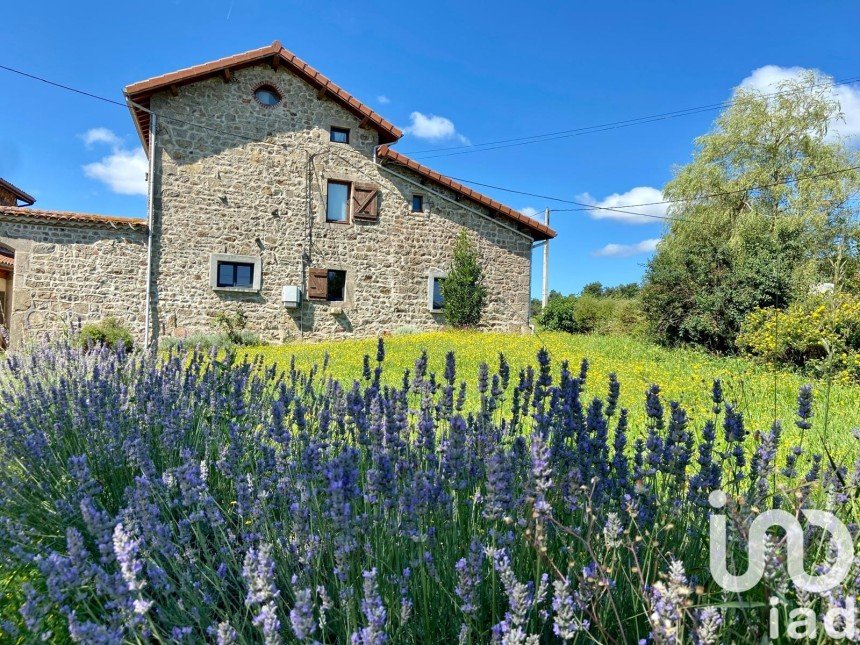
{"points": [[337, 206], [339, 135], [437, 301], [417, 203], [336, 285], [235, 274]]}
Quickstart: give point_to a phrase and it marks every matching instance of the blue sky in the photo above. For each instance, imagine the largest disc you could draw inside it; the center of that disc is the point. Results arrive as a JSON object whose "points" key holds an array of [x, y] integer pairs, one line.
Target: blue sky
{"points": [[453, 72]]}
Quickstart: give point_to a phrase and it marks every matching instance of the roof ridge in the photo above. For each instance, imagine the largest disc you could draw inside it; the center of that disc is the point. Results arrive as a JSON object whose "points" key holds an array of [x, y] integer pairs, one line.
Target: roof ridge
{"points": [[141, 91]]}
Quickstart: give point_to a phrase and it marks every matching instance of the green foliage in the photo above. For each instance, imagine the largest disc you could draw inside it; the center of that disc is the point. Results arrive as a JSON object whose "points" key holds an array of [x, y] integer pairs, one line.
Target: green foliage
{"points": [[222, 340], [820, 335], [463, 290], [535, 308], [231, 333], [232, 324], [110, 332], [732, 249], [558, 315], [596, 289], [587, 314], [593, 289]]}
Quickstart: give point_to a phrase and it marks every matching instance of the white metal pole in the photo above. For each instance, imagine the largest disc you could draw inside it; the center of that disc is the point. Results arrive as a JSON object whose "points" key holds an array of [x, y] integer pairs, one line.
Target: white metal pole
{"points": [[150, 216], [545, 294]]}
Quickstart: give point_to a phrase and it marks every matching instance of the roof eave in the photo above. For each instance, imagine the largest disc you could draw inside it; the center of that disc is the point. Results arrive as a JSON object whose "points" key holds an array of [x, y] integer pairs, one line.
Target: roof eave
{"points": [[535, 229]]}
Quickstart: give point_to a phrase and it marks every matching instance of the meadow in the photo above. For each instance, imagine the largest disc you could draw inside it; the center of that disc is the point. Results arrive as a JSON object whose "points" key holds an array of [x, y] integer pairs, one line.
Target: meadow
{"points": [[369, 493], [760, 393]]}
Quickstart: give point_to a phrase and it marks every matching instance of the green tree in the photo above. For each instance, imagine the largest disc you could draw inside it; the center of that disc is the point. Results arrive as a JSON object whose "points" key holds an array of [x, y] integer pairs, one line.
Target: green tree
{"points": [[593, 289], [463, 292], [749, 230]]}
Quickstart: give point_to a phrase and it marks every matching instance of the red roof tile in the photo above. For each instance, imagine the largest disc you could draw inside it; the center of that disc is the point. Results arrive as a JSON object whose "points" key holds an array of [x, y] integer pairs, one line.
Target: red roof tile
{"points": [[20, 194], [537, 230], [141, 92], [6, 262], [65, 217]]}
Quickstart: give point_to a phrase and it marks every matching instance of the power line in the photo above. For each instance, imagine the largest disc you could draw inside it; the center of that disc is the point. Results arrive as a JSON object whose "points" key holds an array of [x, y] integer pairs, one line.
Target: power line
{"points": [[212, 129], [583, 206], [602, 127], [791, 180], [126, 105]]}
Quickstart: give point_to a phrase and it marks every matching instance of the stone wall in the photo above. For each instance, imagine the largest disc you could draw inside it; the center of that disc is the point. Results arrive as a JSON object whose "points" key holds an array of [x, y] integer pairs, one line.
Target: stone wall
{"points": [[65, 273], [261, 191], [7, 197]]}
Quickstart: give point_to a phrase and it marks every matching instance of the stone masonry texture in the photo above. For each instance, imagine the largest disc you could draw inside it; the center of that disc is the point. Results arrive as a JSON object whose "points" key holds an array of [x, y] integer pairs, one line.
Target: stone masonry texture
{"points": [[66, 274], [260, 189], [255, 185]]}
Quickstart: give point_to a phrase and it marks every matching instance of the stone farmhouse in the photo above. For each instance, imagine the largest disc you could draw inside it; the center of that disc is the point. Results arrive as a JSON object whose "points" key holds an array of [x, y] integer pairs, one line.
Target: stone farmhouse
{"points": [[272, 190]]}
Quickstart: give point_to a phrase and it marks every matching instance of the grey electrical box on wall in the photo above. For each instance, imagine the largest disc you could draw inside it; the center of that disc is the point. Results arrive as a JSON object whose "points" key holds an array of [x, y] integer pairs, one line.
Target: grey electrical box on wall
{"points": [[291, 296]]}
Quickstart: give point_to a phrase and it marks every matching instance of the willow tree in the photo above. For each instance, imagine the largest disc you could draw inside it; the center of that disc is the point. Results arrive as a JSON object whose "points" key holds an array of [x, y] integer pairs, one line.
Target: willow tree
{"points": [[762, 212]]}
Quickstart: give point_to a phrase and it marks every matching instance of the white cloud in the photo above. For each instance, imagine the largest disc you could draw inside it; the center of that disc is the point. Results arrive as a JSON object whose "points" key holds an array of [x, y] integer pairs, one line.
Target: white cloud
{"points": [[433, 127], [384, 100], [627, 250], [101, 135], [766, 79], [123, 170], [529, 211], [635, 214]]}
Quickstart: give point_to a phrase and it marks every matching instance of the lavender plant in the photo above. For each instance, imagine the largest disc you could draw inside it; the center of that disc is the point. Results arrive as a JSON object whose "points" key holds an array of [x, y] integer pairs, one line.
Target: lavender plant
{"points": [[198, 497]]}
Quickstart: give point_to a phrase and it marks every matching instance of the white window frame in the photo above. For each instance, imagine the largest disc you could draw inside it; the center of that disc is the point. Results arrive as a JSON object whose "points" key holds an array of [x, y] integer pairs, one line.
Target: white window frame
{"points": [[431, 279]]}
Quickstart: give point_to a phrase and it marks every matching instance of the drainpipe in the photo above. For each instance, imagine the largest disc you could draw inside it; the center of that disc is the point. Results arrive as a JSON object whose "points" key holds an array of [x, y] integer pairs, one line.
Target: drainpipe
{"points": [[150, 217]]}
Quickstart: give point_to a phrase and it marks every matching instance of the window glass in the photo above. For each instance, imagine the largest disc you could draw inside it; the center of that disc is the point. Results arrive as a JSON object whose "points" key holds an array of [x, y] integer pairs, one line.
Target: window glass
{"points": [[339, 135], [417, 203], [438, 300], [267, 95], [225, 274], [244, 275], [338, 202], [235, 274], [336, 285]]}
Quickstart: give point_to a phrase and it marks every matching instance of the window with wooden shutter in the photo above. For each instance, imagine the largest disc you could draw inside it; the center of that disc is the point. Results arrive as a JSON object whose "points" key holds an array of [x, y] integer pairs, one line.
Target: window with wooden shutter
{"points": [[365, 198], [317, 284]]}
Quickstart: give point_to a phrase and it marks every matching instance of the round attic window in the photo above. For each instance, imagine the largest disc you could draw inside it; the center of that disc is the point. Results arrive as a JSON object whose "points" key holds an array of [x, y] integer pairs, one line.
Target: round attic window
{"points": [[267, 95]]}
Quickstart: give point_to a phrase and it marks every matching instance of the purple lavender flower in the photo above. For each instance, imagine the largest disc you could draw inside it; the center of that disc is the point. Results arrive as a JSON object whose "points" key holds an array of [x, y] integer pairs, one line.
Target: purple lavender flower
{"points": [[614, 393], [374, 613], [566, 623], [302, 615], [469, 576], [804, 408], [708, 624]]}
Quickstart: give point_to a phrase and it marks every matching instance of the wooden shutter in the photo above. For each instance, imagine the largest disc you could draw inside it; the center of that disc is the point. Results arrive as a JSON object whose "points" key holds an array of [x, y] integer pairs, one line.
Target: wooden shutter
{"points": [[317, 284], [365, 198]]}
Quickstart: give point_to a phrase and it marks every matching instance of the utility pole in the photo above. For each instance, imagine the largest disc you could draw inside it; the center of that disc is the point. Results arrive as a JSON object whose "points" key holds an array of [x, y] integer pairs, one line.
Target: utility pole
{"points": [[545, 294]]}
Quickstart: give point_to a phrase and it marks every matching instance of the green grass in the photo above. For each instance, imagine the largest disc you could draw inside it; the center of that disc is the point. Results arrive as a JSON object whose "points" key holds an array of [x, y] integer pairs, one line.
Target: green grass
{"points": [[684, 375]]}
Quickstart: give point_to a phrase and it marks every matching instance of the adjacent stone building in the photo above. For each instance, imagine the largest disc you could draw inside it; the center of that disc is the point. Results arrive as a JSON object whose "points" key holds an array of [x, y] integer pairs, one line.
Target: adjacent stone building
{"points": [[275, 192]]}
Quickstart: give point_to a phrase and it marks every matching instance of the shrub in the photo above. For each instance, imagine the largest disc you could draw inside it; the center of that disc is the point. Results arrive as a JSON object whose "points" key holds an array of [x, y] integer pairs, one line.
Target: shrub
{"points": [[558, 315], [232, 324], [816, 335], [167, 497], [463, 291], [587, 314], [110, 332], [220, 340]]}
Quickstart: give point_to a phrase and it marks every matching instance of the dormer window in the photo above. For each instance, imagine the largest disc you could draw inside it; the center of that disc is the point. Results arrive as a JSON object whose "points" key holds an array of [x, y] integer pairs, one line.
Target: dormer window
{"points": [[267, 95]]}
